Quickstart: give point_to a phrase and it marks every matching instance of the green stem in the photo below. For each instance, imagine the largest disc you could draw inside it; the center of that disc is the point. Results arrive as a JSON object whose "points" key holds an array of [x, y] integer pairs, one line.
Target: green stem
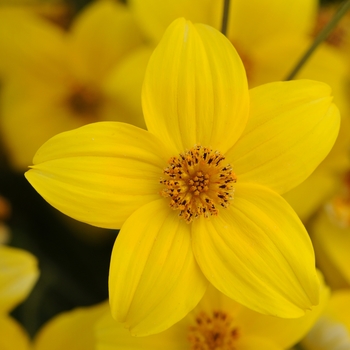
{"points": [[320, 37], [225, 17]]}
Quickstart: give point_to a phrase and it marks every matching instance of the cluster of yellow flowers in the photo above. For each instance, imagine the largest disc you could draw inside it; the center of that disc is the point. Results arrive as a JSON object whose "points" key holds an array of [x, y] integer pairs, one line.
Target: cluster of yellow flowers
{"points": [[224, 179]]}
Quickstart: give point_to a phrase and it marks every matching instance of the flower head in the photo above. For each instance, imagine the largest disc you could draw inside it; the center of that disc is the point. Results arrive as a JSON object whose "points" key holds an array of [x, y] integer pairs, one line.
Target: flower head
{"points": [[197, 196], [217, 322], [270, 47]]}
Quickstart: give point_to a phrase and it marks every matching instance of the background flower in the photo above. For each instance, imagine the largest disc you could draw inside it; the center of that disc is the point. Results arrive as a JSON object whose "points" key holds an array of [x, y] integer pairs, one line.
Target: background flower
{"points": [[55, 80]]}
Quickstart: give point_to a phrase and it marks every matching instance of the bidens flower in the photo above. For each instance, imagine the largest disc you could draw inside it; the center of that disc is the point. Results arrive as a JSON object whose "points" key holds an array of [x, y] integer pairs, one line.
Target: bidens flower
{"points": [[217, 322], [197, 196], [270, 47]]}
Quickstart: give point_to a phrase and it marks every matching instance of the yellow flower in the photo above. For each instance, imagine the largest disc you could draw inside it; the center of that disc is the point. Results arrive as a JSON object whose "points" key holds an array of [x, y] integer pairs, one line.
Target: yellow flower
{"points": [[217, 322], [270, 46], [197, 197], [230, 323], [55, 80], [18, 274]]}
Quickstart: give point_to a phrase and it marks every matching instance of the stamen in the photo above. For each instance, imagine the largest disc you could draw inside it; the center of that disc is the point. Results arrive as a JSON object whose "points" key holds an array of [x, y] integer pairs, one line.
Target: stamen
{"points": [[216, 331], [198, 183]]}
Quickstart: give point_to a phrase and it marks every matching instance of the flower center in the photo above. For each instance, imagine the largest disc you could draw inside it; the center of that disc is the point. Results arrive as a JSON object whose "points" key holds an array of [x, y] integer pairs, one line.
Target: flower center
{"points": [[213, 332], [84, 101], [198, 183]]}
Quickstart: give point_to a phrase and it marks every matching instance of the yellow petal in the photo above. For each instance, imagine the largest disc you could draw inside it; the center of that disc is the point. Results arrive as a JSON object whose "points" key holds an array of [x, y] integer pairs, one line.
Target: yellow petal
{"points": [[291, 129], [254, 343], [284, 332], [195, 89], [18, 274], [12, 335], [73, 330], [154, 279], [154, 16], [102, 35], [253, 21], [258, 253], [280, 333], [274, 60], [112, 335], [99, 173]]}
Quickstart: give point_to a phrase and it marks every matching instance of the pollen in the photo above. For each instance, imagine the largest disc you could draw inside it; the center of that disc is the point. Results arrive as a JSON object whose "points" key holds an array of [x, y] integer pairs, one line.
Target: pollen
{"points": [[198, 183], [213, 332]]}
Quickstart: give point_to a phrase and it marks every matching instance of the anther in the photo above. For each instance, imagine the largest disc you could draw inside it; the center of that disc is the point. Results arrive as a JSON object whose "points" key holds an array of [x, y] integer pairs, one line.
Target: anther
{"points": [[213, 331], [197, 183]]}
